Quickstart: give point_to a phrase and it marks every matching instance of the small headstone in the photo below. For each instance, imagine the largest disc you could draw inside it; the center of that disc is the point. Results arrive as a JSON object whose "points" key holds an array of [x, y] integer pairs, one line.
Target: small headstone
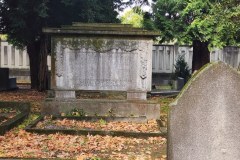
{"points": [[204, 121], [6, 83], [180, 83], [12, 83], [4, 74]]}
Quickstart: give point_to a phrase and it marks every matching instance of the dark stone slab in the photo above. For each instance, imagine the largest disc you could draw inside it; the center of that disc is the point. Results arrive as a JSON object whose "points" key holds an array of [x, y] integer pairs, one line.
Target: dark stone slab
{"points": [[12, 83], [165, 92], [7, 83], [180, 83], [161, 78], [31, 128], [4, 81], [141, 119], [204, 121], [24, 109]]}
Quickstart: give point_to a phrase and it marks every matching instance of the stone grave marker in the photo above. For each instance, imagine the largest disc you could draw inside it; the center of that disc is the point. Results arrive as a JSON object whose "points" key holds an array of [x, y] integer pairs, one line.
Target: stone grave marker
{"points": [[4, 73], [6, 83], [101, 57], [204, 121]]}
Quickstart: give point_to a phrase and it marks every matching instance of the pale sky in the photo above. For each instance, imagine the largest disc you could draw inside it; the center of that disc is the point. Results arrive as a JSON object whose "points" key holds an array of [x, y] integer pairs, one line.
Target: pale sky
{"points": [[145, 8]]}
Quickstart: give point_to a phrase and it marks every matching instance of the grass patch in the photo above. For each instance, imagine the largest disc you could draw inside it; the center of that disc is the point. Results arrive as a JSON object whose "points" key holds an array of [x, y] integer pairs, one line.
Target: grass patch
{"points": [[166, 87], [28, 120], [164, 105]]}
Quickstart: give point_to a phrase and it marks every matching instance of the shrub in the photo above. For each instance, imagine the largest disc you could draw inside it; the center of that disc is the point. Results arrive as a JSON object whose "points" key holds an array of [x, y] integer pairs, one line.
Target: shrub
{"points": [[182, 69]]}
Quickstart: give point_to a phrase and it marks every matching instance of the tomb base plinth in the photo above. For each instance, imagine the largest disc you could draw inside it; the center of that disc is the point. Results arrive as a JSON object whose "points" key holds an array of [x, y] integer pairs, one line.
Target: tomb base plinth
{"points": [[102, 107], [62, 94], [136, 95]]}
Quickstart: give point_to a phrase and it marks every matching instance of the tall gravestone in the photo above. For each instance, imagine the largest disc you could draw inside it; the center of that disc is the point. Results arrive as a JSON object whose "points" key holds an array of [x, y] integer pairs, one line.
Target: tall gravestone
{"points": [[204, 121], [101, 57]]}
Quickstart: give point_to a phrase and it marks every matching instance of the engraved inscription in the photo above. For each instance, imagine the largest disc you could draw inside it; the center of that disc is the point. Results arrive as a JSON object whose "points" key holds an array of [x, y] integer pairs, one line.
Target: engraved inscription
{"points": [[59, 61], [102, 82], [143, 63], [100, 70], [99, 45]]}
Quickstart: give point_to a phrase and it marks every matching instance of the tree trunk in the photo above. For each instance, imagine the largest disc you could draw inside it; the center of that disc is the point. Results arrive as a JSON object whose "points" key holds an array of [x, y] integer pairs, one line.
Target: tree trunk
{"points": [[201, 55], [43, 68], [38, 64], [33, 52]]}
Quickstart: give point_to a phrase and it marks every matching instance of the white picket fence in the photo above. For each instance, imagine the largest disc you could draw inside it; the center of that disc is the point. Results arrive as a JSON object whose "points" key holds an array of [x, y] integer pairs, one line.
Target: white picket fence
{"points": [[165, 56]]}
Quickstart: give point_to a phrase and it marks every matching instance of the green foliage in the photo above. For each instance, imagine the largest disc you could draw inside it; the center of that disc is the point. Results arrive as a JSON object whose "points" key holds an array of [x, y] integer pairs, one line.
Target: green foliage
{"points": [[166, 18], [27, 121], [182, 69], [228, 23], [164, 109], [23, 20], [95, 158], [111, 113], [120, 4], [138, 18], [68, 11], [212, 21], [9, 110], [164, 102], [148, 22], [3, 37], [102, 122], [133, 17], [77, 112]]}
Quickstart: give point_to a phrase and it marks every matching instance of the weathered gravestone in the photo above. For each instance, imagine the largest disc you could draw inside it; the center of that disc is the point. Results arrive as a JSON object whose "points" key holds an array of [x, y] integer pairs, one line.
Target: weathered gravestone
{"points": [[6, 83], [101, 57], [204, 121]]}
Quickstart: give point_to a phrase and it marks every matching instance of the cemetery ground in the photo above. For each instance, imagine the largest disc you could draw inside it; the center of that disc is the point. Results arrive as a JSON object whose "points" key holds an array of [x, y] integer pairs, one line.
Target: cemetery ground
{"points": [[19, 143]]}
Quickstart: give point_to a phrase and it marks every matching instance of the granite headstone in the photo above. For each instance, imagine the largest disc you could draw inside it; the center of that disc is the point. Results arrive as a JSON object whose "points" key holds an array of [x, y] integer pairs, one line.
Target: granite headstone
{"points": [[204, 121]]}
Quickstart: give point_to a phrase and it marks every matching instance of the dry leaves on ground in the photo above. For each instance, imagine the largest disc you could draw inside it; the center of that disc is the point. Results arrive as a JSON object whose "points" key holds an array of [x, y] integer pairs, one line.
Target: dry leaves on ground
{"points": [[150, 126], [22, 95], [19, 143], [7, 113], [23, 144], [25, 95]]}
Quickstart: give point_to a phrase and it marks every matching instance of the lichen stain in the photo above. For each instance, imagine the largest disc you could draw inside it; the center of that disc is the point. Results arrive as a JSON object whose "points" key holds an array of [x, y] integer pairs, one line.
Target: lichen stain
{"points": [[99, 45]]}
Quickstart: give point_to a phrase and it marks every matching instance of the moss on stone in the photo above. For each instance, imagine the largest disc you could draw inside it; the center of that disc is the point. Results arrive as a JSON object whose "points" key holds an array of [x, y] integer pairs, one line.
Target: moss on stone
{"points": [[102, 29], [99, 45], [192, 79]]}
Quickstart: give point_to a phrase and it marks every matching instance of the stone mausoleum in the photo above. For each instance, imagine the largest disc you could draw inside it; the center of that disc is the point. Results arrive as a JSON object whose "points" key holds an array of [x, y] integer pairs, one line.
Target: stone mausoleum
{"points": [[101, 57]]}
